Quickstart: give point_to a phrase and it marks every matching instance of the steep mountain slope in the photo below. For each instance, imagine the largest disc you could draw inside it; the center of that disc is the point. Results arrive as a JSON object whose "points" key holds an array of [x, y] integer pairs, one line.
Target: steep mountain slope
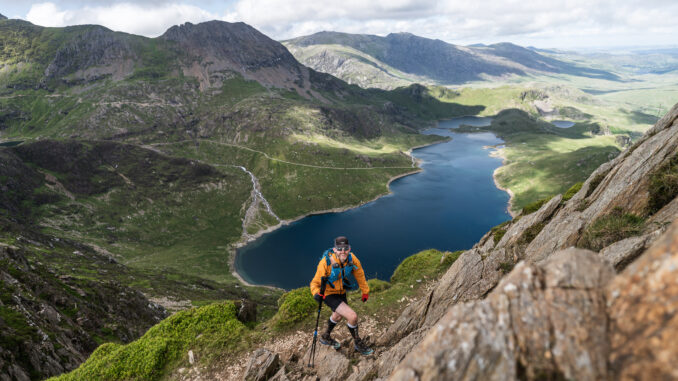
{"points": [[49, 323], [403, 57]]}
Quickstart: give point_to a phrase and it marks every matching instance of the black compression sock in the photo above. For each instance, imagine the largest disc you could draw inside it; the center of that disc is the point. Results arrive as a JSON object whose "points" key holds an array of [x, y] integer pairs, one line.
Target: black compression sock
{"points": [[330, 325], [354, 331]]}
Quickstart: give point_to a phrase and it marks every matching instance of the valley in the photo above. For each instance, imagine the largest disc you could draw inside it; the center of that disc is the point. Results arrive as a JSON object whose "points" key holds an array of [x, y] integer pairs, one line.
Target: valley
{"points": [[132, 169]]}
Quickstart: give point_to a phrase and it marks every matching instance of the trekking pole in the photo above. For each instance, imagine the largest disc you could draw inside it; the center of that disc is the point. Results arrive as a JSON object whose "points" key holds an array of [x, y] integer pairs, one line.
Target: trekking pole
{"points": [[311, 358]]}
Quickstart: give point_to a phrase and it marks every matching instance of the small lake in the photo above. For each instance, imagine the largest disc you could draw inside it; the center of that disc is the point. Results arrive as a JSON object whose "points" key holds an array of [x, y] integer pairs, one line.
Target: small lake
{"points": [[447, 206], [562, 123], [11, 144]]}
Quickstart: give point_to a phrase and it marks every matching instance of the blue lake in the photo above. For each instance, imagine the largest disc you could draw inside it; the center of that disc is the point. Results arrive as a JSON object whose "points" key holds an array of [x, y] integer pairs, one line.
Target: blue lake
{"points": [[562, 123], [448, 206]]}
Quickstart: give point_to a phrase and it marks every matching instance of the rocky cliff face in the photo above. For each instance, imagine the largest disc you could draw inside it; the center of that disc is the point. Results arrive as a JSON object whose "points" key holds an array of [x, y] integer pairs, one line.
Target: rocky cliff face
{"points": [[94, 52], [525, 303], [216, 47]]}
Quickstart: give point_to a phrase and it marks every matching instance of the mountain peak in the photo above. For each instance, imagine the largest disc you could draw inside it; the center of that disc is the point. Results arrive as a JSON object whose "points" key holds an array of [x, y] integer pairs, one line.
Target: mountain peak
{"points": [[3, 17], [237, 42], [237, 47]]}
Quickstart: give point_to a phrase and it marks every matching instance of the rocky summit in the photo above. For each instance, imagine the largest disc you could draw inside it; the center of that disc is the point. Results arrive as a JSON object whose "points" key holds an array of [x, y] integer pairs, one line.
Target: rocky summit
{"points": [[582, 289]]}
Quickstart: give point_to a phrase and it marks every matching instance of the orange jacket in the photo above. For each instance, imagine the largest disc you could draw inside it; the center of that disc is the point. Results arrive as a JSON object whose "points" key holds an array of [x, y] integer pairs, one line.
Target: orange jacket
{"points": [[324, 270]]}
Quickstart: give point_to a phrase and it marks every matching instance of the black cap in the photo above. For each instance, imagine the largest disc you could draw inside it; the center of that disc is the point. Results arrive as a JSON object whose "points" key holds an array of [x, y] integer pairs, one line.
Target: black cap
{"points": [[341, 242]]}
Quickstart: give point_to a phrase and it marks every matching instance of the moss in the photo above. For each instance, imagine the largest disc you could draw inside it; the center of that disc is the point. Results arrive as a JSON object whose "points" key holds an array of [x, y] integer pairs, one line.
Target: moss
{"points": [[505, 267], [533, 207], [499, 231], [293, 307], [425, 264], [572, 191], [611, 228], [205, 330], [582, 205], [15, 328], [663, 185], [595, 182], [531, 233], [377, 285]]}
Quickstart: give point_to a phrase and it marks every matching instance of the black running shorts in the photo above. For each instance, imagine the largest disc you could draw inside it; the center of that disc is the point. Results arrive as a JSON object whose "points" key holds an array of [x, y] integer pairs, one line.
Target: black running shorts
{"points": [[334, 300]]}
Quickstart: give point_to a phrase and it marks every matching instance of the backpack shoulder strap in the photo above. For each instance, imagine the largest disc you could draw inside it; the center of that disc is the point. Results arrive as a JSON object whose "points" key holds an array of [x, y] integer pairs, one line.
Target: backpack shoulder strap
{"points": [[326, 255]]}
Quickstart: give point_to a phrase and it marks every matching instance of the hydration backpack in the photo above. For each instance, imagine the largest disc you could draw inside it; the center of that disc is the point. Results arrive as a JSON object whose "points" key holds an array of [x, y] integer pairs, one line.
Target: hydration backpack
{"points": [[344, 273]]}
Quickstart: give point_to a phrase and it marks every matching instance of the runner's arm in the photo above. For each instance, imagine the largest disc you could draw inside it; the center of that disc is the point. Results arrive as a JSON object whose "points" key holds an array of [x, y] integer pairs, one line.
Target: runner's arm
{"points": [[319, 273], [359, 275]]}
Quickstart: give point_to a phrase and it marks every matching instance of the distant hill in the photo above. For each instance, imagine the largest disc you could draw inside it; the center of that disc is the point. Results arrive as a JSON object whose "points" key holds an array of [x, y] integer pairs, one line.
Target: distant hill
{"points": [[405, 57], [632, 61]]}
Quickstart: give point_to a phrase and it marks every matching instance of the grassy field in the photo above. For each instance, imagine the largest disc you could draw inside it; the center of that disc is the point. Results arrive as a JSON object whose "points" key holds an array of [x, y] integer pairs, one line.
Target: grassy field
{"points": [[542, 160], [539, 166]]}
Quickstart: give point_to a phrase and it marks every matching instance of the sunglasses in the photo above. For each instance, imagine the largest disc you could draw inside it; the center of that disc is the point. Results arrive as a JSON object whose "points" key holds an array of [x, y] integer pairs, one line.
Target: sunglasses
{"points": [[342, 248]]}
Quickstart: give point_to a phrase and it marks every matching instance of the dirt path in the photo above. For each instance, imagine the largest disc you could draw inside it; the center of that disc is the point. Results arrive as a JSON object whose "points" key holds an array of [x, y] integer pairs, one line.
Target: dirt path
{"points": [[280, 160]]}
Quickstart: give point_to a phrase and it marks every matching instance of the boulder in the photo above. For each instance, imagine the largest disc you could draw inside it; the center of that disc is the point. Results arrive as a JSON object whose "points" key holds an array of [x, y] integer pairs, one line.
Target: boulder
{"points": [[280, 376], [623, 252], [330, 365], [262, 366], [363, 371], [643, 314], [247, 310]]}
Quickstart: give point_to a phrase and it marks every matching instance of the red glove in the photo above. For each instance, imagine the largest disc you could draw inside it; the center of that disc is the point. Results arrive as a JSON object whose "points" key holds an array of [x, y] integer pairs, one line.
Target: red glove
{"points": [[365, 296]]}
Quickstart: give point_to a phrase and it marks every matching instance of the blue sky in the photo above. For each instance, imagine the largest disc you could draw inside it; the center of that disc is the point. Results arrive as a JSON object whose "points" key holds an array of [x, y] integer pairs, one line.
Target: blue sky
{"points": [[540, 23]]}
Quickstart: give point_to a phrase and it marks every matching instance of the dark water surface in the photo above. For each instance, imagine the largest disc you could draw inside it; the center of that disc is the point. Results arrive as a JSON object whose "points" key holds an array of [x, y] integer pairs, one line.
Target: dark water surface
{"points": [[562, 123], [448, 206]]}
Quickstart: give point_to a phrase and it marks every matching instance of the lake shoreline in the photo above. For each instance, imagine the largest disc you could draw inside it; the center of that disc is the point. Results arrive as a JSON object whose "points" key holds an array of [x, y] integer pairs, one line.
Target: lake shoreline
{"points": [[253, 237], [499, 153]]}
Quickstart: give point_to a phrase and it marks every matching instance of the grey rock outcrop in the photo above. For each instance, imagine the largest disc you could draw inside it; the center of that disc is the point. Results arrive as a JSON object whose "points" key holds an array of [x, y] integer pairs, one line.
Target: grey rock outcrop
{"points": [[214, 48], [546, 320], [623, 252], [566, 317], [247, 310], [262, 366], [330, 365], [93, 53], [643, 314]]}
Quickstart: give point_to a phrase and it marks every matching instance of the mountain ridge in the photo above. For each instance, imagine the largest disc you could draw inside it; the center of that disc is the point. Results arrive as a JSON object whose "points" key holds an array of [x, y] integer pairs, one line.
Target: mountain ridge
{"points": [[432, 60]]}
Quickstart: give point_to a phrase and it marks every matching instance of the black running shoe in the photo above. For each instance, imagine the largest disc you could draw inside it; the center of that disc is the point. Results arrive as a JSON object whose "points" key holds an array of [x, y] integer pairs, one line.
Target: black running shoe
{"points": [[326, 339], [362, 348]]}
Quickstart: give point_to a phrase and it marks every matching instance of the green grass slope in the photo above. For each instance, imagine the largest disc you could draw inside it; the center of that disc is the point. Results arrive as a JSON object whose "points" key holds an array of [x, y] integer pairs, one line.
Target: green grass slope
{"points": [[542, 160], [215, 335]]}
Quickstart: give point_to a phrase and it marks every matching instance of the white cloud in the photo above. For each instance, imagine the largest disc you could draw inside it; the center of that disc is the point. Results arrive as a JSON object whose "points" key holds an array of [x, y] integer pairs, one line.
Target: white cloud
{"points": [[544, 23], [468, 21], [148, 20]]}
